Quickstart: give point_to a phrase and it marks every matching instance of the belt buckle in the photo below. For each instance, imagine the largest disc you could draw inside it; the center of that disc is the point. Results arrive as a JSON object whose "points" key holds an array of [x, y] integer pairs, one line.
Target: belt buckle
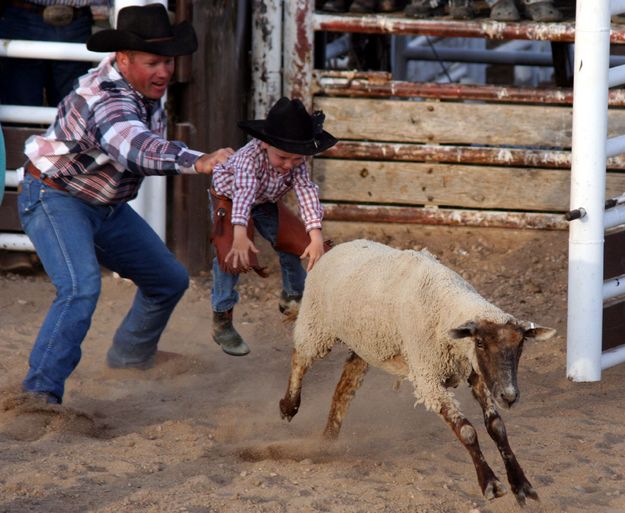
{"points": [[58, 15]]}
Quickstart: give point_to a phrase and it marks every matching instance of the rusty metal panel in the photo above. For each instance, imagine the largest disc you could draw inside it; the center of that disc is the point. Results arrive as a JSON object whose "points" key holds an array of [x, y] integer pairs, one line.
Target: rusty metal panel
{"points": [[380, 84], [436, 216], [458, 154], [454, 154], [484, 28]]}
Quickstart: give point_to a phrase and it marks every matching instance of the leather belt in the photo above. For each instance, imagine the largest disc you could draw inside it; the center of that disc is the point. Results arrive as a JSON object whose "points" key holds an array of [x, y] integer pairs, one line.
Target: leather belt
{"points": [[31, 169], [67, 15]]}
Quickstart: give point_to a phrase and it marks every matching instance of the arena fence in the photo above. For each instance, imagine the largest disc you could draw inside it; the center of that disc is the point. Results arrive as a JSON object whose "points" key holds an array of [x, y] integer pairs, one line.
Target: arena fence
{"points": [[460, 154], [595, 327]]}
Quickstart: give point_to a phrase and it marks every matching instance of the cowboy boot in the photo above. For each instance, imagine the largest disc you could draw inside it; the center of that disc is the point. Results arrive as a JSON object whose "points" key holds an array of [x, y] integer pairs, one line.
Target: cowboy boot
{"points": [[543, 11], [461, 9], [391, 5], [363, 6], [335, 6], [424, 8], [504, 10], [226, 336]]}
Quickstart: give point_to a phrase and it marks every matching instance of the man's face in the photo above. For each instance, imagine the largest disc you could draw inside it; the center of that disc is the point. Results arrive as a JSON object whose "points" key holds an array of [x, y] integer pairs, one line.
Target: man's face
{"points": [[280, 160], [146, 72]]}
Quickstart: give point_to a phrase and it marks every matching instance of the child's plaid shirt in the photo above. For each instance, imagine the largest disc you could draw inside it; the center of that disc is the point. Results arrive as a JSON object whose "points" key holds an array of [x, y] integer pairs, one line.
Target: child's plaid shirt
{"points": [[249, 179]]}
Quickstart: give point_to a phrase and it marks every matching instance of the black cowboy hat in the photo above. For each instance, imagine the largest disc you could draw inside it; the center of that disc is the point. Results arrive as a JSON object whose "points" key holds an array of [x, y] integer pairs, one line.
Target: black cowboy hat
{"points": [[146, 29], [290, 128]]}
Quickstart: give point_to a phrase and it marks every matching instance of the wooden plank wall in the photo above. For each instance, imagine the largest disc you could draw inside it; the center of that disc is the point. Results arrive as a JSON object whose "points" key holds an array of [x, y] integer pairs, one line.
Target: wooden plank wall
{"points": [[479, 162], [500, 158]]}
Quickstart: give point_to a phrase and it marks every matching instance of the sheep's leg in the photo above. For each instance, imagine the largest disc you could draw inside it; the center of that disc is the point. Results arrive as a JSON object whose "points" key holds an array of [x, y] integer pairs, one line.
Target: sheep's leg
{"points": [[289, 405], [354, 371], [491, 486], [521, 487]]}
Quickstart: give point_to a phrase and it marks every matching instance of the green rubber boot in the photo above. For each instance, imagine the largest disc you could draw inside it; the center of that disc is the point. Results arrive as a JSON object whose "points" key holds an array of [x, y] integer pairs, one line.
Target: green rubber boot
{"points": [[226, 336]]}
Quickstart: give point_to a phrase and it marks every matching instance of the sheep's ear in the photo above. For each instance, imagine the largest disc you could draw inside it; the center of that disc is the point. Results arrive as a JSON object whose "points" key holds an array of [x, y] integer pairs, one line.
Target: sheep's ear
{"points": [[531, 330], [468, 329]]}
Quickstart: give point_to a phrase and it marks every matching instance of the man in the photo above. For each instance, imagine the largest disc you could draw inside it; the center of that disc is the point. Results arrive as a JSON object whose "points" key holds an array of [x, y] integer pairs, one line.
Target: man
{"points": [[43, 81], [108, 135]]}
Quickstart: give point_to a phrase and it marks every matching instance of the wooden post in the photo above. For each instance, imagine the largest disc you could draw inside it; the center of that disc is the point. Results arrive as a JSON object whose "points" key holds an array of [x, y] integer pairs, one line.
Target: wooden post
{"points": [[266, 55], [208, 109], [298, 50]]}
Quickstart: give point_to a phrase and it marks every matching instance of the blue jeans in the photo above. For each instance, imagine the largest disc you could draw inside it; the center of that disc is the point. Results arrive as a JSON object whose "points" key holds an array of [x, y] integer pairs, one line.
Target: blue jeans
{"points": [[23, 81], [72, 239], [265, 218]]}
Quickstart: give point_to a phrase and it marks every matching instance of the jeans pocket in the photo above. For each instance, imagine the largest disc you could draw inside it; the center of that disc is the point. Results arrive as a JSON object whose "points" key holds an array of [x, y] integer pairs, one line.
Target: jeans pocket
{"points": [[30, 197]]}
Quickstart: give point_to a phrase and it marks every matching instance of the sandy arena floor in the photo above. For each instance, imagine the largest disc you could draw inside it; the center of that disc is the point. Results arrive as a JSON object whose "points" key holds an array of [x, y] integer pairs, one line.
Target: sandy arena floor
{"points": [[201, 432]]}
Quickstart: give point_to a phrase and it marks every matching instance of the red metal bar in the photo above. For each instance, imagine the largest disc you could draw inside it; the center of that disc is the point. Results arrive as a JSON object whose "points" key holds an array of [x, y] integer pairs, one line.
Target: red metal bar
{"points": [[435, 216], [515, 157], [484, 28], [453, 154], [380, 84]]}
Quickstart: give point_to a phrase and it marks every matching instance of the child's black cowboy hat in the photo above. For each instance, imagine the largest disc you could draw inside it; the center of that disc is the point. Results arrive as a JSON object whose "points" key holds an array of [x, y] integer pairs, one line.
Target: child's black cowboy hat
{"points": [[290, 128], [145, 29]]}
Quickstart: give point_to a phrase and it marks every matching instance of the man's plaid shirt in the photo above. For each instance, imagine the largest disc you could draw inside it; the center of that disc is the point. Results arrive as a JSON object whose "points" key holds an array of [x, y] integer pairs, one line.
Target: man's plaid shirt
{"points": [[106, 137], [248, 179]]}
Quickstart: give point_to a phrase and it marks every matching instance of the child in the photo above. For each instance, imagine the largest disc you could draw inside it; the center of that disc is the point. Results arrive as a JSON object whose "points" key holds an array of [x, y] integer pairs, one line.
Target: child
{"points": [[250, 184]]}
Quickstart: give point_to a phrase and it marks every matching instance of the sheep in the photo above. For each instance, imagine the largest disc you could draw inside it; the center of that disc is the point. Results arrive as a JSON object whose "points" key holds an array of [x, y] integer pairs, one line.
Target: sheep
{"points": [[408, 314]]}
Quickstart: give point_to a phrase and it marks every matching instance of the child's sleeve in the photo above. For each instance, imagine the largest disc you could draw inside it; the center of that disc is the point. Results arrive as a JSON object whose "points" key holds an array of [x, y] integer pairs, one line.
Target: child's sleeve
{"points": [[307, 194], [243, 190]]}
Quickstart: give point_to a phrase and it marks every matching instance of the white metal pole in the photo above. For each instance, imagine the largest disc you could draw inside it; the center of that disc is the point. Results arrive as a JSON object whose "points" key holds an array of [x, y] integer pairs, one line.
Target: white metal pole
{"points": [[47, 50], [586, 237], [27, 114], [266, 56], [16, 242]]}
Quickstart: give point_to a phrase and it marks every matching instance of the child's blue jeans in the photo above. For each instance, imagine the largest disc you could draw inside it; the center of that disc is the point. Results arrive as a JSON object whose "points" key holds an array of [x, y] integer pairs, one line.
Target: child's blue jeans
{"points": [[265, 218]]}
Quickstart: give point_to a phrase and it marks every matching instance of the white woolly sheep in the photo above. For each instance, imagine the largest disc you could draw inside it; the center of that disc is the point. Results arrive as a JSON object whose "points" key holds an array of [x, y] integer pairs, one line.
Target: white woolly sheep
{"points": [[408, 314]]}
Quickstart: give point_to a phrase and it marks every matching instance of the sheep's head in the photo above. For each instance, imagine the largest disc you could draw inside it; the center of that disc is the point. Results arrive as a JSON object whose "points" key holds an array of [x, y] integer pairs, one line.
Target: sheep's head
{"points": [[498, 349]]}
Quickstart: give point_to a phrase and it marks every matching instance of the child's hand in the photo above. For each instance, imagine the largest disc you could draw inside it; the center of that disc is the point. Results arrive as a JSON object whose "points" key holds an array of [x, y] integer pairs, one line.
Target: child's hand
{"points": [[238, 257], [314, 251]]}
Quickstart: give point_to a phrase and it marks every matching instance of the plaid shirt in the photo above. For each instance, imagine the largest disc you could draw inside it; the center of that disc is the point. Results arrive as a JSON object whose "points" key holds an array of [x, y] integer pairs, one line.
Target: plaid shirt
{"points": [[249, 179], [106, 137]]}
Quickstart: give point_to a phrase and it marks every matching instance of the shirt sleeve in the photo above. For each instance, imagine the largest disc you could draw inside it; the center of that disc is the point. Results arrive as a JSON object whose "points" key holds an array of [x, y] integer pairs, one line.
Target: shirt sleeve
{"points": [[120, 132], [244, 189], [307, 194]]}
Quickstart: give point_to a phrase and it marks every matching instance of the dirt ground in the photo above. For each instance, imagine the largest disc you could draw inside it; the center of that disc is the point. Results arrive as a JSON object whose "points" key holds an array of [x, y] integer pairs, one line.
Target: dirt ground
{"points": [[201, 432]]}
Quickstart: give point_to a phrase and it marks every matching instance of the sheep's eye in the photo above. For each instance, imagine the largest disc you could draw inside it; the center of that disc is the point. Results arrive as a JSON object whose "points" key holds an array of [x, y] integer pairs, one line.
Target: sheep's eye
{"points": [[479, 343]]}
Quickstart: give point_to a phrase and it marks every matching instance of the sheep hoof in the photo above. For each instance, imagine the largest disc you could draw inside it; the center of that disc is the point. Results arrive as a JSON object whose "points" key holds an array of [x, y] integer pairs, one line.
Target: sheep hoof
{"points": [[523, 492], [287, 410], [495, 489]]}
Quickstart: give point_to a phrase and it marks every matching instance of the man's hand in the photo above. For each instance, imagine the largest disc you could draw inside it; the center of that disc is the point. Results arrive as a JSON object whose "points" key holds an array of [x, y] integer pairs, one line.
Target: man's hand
{"points": [[205, 164], [314, 251], [238, 257]]}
